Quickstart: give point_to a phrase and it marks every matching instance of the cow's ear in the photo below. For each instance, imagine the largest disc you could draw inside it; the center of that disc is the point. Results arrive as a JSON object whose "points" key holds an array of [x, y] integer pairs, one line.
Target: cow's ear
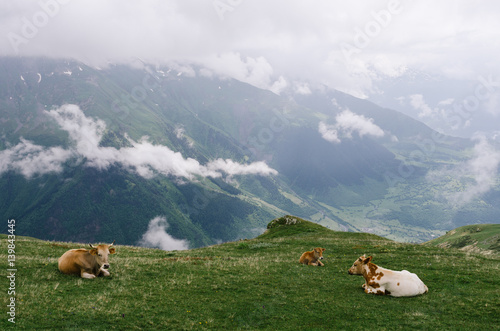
{"points": [[323, 249], [112, 250], [367, 260], [93, 251]]}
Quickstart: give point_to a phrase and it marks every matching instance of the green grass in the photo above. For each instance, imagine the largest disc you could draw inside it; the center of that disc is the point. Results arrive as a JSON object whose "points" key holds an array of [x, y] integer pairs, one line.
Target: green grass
{"points": [[254, 284], [481, 236]]}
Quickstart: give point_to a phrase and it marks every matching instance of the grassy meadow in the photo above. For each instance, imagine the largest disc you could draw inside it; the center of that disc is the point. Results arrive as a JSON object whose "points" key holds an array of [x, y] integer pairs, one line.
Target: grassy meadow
{"points": [[254, 284], [477, 237]]}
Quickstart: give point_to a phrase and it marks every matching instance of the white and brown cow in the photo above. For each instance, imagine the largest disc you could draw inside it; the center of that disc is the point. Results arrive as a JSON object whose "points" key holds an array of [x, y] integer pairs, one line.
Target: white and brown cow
{"points": [[87, 263], [383, 281]]}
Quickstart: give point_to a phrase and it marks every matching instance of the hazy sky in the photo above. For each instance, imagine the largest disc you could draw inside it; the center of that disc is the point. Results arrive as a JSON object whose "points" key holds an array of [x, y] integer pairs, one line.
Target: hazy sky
{"points": [[277, 44], [369, 49]]}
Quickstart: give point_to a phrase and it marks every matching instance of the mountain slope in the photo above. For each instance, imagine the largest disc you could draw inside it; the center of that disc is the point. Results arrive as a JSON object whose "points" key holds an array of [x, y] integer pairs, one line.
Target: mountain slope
{"points": [[82, 198], [485, 237], [149, 141]]}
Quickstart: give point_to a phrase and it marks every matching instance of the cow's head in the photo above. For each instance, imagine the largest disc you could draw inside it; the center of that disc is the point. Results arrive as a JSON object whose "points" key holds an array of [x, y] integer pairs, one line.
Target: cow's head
{"points": [[357, 267], [101, 253], [318, 253]]}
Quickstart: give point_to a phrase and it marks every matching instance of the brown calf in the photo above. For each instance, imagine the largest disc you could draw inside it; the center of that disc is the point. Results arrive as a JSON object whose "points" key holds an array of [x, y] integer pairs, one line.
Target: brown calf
{"points": [[313, 257]]}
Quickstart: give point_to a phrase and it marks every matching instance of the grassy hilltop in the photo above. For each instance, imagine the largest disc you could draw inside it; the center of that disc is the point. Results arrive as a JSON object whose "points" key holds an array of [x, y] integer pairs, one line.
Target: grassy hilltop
{"points": [[255, 284], [471, 237]]}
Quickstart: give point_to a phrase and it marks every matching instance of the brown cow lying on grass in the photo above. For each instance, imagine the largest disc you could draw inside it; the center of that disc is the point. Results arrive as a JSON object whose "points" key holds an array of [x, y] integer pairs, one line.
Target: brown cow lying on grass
{"points": [[87, 263], [313, 257]]}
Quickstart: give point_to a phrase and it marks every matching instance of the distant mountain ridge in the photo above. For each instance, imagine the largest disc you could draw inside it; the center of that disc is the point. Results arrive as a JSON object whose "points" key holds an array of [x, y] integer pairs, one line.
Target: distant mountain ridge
{"points": [[365, 181]]}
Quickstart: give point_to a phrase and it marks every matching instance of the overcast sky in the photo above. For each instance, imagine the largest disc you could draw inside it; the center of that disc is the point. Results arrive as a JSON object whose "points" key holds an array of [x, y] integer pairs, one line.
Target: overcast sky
{"points": [[277, 44]]}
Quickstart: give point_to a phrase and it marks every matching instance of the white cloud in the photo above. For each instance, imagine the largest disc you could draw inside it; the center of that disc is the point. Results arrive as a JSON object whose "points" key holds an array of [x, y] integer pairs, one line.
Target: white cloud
{"points": [[335, 103], [233, 168], [279, 85], [346, 124], [446, 102], [495, 136], [157, 236], [350, 122], [30, 159], [417, 101], [482, 169], [143, 158], [86, 133], [302, 88], [254, 71], [328, 132], [147, 159], [492, 104], [386, 66], [401, 100], [180, 133]]}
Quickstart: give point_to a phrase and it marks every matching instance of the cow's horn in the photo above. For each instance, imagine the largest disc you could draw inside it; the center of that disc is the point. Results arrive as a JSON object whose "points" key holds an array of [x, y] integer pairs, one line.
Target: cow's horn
{"points": [[112, 243], [91, 246]]}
